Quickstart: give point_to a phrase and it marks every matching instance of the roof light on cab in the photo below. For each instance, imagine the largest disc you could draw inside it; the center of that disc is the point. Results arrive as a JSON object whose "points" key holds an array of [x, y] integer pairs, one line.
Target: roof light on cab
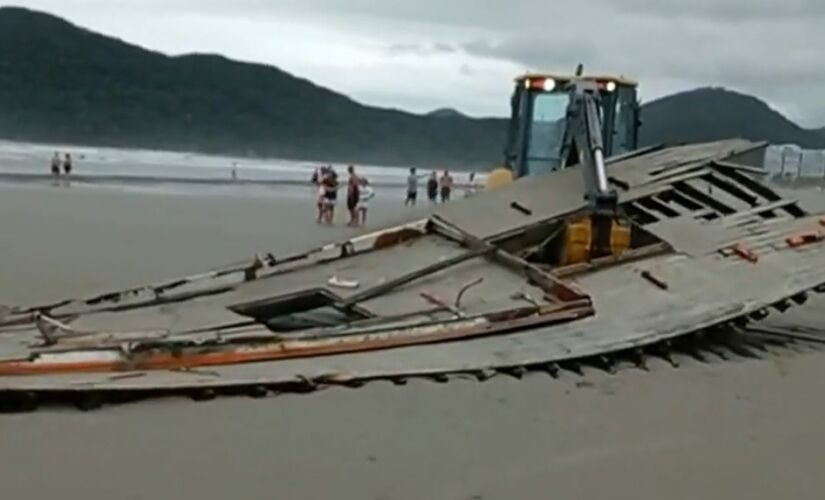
{"points": [[549, 85], [611, 86]]}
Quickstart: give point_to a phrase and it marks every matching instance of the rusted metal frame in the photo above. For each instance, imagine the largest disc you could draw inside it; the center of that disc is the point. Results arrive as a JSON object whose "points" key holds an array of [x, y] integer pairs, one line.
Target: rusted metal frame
{"points": [[623, 258], [204, 357], [696, 194], [432, 299], [551, 285], [352, 330], [260, 334], [770, 236], [803, 238]]}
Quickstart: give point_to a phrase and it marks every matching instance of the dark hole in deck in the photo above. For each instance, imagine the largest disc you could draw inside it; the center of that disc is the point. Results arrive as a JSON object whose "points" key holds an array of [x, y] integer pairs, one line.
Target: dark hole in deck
{"points": [[300, 311], [655, 205], [639, 215], [709, 201]]}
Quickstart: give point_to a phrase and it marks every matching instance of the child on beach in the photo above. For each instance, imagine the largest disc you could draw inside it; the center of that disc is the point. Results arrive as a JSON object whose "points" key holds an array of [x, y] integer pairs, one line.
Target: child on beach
{"points": [[366, 194]]}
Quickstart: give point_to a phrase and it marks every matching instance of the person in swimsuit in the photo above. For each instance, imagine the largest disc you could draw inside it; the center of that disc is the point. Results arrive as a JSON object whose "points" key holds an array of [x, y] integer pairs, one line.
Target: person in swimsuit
{"points": [[330, 195], [67, 165], [432, 188], [446, 186], [321, 199], [353, 195]]}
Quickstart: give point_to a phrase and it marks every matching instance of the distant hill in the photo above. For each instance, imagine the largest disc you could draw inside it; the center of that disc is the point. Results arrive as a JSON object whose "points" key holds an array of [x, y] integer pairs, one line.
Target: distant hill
{"points": [[707, 114], [62, 83], [446, 113]]}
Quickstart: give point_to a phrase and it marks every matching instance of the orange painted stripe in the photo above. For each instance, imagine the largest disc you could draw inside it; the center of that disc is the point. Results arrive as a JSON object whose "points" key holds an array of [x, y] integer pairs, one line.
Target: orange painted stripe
{"points": [[284, 350]]}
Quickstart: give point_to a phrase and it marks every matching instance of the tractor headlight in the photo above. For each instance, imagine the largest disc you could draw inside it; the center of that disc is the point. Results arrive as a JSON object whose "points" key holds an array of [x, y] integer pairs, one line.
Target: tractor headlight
{"points": [[549, 84], [611, 86]]}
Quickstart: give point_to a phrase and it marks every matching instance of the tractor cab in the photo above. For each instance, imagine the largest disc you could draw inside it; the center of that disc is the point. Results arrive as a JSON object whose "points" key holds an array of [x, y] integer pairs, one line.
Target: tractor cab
{"points": [[539, 122]]}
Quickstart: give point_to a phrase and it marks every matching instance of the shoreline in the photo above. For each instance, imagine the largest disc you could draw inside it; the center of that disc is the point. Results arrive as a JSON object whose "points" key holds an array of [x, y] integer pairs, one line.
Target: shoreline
{"points": [[224, 158], [148, 180]]}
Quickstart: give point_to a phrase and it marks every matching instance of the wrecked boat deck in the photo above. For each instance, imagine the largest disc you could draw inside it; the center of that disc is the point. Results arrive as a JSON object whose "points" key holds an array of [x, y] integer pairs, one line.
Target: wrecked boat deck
{"points": [[467, 290]]}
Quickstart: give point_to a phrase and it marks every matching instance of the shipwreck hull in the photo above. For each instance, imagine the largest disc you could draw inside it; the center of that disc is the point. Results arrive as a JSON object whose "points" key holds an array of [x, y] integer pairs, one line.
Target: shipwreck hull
{"points": [[465, 291]]}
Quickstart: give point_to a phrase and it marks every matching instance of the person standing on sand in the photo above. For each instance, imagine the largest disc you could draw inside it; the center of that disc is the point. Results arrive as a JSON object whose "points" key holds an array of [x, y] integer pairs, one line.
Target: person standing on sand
{"points": [[56, 165], [67, 165], [330, 195], [432, 188], [446, 186], [353, 195], [472, 186], [366, 194], [321, 199], [412, 188]]}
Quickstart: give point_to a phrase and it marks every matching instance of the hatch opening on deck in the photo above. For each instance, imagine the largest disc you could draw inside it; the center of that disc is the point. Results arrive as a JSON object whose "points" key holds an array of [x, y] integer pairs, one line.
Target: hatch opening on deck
{"points": [[546, 243], [300, 311]]}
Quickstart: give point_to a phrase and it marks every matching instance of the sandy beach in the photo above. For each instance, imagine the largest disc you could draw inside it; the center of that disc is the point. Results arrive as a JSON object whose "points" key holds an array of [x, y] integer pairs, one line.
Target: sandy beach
{"points": [[736, 429]]}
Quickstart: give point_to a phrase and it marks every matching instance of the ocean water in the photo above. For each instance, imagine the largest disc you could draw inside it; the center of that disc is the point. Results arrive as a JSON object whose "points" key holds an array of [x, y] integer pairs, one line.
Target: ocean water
{"points": [[163, 170]]}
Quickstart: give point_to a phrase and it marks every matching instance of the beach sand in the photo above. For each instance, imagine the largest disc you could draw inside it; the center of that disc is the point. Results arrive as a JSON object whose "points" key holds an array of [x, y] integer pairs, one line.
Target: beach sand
{"points": [[738, 429]]}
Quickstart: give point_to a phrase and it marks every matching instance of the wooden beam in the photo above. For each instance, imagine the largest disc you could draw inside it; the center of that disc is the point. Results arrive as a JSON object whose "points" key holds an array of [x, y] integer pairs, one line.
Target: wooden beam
{"points": [[551, 285]]}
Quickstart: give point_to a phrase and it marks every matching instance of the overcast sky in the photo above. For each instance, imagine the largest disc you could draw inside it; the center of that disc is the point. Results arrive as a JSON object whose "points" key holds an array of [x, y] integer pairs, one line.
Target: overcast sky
{"points": [[424, 54]]}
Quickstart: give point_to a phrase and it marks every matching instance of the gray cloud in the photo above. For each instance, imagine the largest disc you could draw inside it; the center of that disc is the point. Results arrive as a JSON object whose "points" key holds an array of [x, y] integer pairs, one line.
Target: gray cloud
{"points": [[770, 48], [725, 10], [421, 49]]}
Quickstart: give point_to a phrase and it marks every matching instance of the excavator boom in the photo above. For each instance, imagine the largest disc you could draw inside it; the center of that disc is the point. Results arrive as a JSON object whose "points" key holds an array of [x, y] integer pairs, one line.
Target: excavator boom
{"points": [[584, 145]]}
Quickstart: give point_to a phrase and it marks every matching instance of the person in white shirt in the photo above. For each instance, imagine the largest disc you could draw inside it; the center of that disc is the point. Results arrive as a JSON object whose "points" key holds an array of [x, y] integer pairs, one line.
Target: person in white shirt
{"points": [[366, 193], [472, 186], [56, 165]]}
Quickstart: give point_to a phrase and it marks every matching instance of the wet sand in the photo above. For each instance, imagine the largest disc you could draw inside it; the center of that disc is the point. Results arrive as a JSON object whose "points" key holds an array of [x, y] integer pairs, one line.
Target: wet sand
{"points": [[738, 429]]}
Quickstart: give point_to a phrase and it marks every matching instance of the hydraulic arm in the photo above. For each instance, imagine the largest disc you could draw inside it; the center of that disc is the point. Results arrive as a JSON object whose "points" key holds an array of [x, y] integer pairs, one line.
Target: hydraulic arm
{"points": [[584, 145]]}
